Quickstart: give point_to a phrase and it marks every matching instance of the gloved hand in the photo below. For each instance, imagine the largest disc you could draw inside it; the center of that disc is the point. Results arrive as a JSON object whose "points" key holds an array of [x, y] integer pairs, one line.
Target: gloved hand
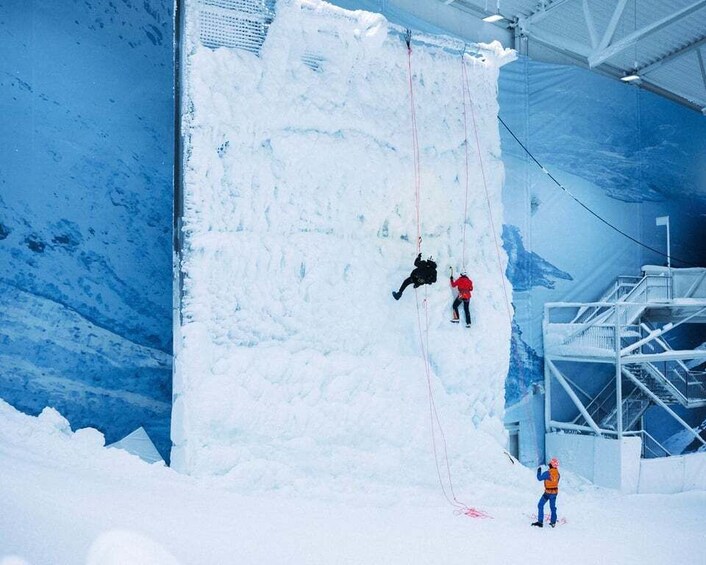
{"points": [[419, 256], [539, 469]]}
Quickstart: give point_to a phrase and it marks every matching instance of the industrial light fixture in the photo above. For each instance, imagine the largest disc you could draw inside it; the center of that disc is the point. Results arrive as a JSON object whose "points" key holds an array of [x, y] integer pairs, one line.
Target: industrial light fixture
{"points": [[493, 18], [496, 17], [630, 78]]}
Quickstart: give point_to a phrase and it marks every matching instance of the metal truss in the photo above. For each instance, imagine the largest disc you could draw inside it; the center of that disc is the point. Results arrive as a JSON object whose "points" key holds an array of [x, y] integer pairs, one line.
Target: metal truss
{"points": [[628, 329], [603, 47], [603, 44]]}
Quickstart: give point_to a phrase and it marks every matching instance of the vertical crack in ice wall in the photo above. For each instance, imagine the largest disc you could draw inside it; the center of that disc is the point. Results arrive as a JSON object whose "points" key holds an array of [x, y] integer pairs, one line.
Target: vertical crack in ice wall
{"points": [[296, 368]]}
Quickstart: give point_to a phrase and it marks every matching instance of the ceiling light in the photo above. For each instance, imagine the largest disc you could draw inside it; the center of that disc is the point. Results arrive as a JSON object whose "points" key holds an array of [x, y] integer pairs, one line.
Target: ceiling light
{"points": [[493, 18], [630, 77]]}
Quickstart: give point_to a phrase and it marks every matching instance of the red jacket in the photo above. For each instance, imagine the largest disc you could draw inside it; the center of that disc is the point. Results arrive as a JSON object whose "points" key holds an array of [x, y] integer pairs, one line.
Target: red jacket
{"points": [[464, 285]]}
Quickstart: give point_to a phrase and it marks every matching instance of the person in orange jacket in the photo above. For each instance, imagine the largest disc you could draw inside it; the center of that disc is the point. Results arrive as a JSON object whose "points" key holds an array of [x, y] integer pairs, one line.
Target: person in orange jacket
{"points": [[551, 490], [465, 286]]}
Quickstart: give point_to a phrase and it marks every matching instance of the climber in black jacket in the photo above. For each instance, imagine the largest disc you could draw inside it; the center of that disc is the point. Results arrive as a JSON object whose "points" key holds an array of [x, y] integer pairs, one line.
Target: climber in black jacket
{"points": [[424, 273]]}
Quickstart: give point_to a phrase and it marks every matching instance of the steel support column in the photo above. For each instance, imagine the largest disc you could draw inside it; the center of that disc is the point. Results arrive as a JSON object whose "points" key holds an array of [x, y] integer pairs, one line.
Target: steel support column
{"points": [[575, 399]]}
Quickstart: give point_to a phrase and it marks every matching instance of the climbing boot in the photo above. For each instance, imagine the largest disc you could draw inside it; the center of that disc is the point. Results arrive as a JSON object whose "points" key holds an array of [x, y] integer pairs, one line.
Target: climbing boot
{"points": [[538, 524]]}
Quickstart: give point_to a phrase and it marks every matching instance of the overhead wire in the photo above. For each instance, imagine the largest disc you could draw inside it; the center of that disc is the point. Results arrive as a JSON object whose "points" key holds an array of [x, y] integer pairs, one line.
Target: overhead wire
{"points": [[589, 210]]}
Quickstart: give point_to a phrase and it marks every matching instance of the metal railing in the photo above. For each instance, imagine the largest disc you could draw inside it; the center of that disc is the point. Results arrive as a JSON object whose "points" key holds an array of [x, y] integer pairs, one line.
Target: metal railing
{"points": [[603, 411], [596, 336], [614, 330], [622, 286], [635, 290], [633, 407], [592, 325]]}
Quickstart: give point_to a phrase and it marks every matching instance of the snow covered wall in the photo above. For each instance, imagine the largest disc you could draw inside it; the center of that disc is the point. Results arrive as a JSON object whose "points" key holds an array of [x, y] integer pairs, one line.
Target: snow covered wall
{"points": [[296, 369], [86, 212]]}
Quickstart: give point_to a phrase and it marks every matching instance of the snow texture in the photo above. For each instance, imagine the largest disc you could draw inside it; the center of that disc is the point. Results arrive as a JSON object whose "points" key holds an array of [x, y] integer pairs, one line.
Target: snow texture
{"points": [[68, 500], [297, 370]]}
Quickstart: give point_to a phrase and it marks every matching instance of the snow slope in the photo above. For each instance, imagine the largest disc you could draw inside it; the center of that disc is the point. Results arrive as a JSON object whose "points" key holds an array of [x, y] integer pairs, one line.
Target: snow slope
{"points": [[296, 368], [68, 500]]}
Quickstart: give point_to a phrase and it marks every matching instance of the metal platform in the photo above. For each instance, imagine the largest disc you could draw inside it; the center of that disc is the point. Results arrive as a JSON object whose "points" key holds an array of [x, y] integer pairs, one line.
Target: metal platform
{"points": [[629, 328]]}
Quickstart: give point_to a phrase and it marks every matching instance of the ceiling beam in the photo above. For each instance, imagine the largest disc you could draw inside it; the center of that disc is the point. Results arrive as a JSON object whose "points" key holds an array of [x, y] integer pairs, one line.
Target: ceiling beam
{"points": [[589, 24], [580, 59], [472, 9], [607, 50], [541, 11], [703, 68], [559, 43], [671, 56], [612, 26]]}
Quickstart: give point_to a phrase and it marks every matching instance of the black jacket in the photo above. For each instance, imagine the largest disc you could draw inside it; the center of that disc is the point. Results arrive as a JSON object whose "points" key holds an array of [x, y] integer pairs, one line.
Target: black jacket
{"points": [[424, 272]]}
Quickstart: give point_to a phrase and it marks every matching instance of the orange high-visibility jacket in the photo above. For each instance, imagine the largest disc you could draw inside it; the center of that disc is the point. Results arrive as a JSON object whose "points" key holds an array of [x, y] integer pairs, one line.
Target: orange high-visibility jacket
{"points": [[551, 485]]}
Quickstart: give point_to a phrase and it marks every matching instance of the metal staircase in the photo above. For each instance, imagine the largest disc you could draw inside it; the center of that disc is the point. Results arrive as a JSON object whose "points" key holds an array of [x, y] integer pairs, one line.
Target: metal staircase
{"points": [[634, 292], [603, 409], [671, 380], [629, 328], [649, 376]]}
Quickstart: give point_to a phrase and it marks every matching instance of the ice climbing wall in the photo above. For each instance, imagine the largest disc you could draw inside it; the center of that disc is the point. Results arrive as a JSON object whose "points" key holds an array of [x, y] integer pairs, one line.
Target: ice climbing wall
{"points": [[296, 369]]}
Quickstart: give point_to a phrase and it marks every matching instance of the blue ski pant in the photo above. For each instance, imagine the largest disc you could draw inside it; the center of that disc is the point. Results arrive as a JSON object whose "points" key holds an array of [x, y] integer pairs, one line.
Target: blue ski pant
{"points": [[552, 506]]}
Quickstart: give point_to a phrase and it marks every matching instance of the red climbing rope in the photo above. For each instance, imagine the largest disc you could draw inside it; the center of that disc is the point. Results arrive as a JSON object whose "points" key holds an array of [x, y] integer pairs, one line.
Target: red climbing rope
{"points": [[435, 423], [508, 306], [415, 147], [464, 81], [460, 508]]}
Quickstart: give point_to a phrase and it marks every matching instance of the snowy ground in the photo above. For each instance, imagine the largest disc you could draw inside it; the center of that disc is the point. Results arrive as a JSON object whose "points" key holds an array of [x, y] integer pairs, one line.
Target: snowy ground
{"points": [[67, 500]]}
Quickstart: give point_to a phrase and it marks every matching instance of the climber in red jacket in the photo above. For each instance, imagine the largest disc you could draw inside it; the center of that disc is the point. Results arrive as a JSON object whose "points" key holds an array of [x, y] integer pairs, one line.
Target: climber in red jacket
{"points": [[465, 286]]}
